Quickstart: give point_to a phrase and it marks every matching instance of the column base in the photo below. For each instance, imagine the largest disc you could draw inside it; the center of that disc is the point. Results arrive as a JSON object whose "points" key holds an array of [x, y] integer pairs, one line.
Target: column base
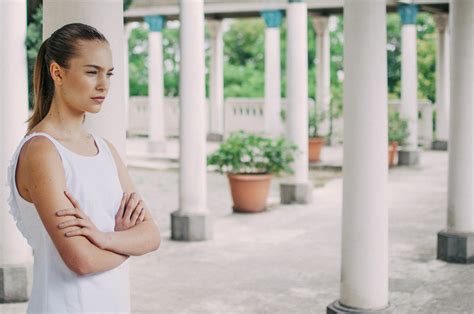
{"points": [[337, 308], [439, 145], [13, 283], [408, 157], [191, 227], [215, 137], [156, 146], [456, 247], [300, 193]]}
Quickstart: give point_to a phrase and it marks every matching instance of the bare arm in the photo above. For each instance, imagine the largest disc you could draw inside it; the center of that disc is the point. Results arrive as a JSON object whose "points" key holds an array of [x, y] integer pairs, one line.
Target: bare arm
{"points": [[143, 237], [46, 183]]}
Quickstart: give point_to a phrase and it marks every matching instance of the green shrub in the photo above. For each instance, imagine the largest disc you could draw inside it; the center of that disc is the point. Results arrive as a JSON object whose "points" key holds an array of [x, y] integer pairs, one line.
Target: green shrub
{"points": [[246, 153]]}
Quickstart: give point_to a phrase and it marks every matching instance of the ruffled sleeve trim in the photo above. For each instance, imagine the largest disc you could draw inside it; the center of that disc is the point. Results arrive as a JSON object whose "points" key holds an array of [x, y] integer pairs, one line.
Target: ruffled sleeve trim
{"points": [[14, 210]]}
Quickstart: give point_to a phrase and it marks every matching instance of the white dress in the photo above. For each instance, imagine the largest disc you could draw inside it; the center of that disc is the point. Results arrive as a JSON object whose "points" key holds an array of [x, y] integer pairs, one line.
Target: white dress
{"points": [[93, 181]]}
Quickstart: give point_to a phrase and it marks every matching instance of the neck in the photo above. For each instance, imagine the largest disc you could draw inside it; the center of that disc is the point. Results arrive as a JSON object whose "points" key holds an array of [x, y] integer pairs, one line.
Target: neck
{"points": [[65, 120]]}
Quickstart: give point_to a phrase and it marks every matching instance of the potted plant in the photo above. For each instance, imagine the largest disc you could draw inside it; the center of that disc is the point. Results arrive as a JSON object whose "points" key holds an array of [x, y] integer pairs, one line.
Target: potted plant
{"points": [[315, 141], [397, 134], [250, 161]]}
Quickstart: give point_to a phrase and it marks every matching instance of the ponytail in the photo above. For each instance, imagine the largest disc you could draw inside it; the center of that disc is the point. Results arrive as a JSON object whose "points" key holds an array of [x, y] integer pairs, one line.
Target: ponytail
{"points": [[43, 87]]}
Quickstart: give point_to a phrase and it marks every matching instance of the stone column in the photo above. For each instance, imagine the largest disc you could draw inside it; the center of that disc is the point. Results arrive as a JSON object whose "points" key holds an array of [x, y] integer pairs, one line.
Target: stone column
{"points": [[109, 122], [127, 31], [216, 81], [442, 83], [456, 243], [15, 254], [323, 74], [364, 264], [273, 125], [156, 122], [298, 189], [192, 221], [409, 154]]}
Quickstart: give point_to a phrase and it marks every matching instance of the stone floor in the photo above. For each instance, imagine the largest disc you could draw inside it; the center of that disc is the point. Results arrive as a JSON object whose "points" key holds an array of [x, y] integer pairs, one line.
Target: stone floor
{"points": [[287, 259]]}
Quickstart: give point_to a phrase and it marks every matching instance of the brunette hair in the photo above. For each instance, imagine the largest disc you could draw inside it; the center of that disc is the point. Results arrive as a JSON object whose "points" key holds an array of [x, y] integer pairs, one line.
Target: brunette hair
{"points": [[60, 47]]}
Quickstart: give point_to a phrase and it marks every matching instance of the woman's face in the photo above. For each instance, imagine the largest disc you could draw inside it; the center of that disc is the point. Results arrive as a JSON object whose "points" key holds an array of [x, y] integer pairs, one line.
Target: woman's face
{"points": [[87, 77]]}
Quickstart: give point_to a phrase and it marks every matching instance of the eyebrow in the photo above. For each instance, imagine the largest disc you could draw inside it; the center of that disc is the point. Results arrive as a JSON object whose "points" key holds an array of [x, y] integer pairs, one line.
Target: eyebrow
{"points": [[97, 67]]}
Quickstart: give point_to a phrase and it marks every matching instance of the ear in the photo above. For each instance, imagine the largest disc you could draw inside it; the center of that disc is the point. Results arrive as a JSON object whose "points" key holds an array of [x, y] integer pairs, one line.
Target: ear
{"points": [[57, 73]]}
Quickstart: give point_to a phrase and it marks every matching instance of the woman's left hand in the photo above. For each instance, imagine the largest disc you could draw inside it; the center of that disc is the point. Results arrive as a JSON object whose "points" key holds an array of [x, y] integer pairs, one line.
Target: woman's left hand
{"points": [[86, 226]]}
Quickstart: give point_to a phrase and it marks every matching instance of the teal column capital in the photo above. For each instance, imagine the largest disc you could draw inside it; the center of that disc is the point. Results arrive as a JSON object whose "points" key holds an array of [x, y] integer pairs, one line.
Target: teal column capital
{"points": [[292, 1], [272, 18], [408, 13], [156, 23]]}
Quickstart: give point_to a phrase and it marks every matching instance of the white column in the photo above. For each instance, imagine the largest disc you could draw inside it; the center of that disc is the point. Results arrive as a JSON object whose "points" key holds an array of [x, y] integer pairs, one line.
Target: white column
{"points": [[364, 265], [455, 244], [192, 220], [216, 79], [442, 78], [127, 32], [109, 121], [13, 114], [323, 74], [273, 125], [461, 135], [156, 122], [297, 85], [409, 82]]}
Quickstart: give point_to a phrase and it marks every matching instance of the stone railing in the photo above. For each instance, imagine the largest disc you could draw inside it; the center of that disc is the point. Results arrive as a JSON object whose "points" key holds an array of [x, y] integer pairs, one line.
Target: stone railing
{"points": [[247, 114]]}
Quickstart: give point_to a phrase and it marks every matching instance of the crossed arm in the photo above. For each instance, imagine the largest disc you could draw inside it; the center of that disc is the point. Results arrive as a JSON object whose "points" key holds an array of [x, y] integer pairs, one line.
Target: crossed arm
{"points": [[46, 185]]}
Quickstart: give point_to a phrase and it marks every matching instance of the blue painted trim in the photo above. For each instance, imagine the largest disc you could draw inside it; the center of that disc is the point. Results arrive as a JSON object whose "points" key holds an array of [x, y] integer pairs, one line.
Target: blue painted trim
{"points": [[408, 13], [156, 23], [272, 18]]}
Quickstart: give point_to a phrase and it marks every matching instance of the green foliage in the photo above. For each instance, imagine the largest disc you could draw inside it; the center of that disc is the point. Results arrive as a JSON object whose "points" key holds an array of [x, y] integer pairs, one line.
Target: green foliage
{"points": [[397, 128], [426, 55], [314, 119], [249, 153], [138, 62], [34, 38]]}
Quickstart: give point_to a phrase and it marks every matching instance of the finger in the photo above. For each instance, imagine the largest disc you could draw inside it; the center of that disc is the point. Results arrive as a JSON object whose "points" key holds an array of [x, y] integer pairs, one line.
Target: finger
{"points": [[122, 205], [80, 231], [141, 217], [70, 212], [132, 203], [73, 222], [136, 212], [72, 199]]}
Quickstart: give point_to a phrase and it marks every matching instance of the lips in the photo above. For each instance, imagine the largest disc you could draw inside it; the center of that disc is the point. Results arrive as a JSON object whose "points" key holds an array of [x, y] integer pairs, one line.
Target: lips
{"points": [[98, 100]]}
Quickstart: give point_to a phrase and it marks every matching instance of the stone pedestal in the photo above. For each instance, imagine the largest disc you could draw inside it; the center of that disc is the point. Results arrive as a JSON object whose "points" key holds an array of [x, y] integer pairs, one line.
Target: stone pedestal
{"points": [[337, 308], [300, 193], [13, 283], [440, 145], [408, 157], [191, 226], [456, 247]]}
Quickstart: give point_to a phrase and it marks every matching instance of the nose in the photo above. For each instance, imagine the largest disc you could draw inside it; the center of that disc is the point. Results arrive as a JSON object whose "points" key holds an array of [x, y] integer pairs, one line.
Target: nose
{"points": [[102, 83]]}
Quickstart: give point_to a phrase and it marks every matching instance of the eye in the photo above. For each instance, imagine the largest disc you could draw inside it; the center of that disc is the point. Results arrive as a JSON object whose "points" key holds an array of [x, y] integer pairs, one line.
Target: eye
{"points": [[92, 72], [110, 74]]}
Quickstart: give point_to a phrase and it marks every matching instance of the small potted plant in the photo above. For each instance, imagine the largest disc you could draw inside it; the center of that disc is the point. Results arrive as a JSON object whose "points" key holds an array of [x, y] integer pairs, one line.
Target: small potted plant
{"points": [[315, 141], [397, 134], [250, 161]]}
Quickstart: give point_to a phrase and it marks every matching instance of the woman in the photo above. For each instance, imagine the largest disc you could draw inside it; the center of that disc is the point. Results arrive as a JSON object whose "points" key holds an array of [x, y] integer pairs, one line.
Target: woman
{"points": [[70, 193]]}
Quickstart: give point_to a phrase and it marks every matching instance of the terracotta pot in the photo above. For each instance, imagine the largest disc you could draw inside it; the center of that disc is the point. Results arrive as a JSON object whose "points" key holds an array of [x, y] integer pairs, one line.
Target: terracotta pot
{"points": [[249, 191], [315, 144], [392, 152]]}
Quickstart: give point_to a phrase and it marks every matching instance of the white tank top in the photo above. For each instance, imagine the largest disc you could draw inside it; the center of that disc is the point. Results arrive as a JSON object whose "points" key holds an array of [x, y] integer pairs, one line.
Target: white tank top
{"points": [[93, 181]]}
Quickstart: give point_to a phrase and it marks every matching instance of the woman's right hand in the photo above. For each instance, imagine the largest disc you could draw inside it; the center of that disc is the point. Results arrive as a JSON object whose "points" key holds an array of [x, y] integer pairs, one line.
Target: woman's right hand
{"points": [[130, 213]]}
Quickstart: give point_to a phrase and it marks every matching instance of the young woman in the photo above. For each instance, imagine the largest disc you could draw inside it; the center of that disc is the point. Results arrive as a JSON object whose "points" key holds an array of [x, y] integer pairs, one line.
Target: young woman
{"points": [[70, 193]]}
